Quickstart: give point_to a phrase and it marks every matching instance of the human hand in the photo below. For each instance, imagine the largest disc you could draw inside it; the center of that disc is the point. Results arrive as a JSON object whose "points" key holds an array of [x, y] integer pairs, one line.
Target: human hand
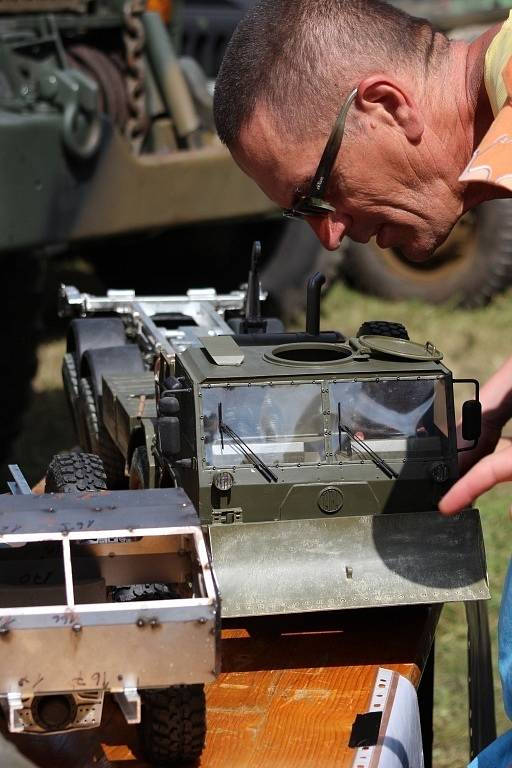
{"points": [[485, 474], [481, 468]]}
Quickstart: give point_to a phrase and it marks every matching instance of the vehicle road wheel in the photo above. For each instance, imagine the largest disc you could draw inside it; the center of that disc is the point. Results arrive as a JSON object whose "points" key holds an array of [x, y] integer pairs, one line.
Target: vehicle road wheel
{"points": [[472, 266], [174, 723], [383, 328], [98, 440], [70, 472]]}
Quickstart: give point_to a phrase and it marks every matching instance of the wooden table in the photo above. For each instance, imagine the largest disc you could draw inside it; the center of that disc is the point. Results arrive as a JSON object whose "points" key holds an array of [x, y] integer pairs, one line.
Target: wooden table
{"points": [[287, 697]]}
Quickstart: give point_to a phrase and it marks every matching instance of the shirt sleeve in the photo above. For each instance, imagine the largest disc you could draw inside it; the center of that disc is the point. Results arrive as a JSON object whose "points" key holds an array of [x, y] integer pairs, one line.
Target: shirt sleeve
{"points": [[492, 161]]}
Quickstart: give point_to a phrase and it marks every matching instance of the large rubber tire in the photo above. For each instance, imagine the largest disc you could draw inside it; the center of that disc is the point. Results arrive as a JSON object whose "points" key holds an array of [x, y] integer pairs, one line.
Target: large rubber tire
{"points": [[70, 472], [95, 438], [383, 328], [88, 416], [174, 724], [474, 265]]}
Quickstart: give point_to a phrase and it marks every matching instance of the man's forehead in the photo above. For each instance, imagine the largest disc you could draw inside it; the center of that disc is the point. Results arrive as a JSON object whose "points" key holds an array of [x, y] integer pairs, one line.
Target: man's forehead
{"points": [[277, 163]]}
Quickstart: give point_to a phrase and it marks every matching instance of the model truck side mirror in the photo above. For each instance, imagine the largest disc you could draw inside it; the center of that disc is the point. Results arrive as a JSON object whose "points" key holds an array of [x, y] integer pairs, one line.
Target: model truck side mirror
{"points": [[472, 420], [471, 426]]}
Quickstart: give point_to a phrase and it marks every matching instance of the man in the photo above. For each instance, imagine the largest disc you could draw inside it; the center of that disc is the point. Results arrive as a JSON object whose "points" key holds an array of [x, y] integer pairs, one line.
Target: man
{"points": [[428, 136]]}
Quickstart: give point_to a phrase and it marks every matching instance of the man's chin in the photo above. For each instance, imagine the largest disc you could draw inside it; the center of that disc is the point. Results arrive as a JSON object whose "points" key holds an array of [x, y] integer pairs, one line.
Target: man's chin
{"points": [[412, 244], [416, 253], [420, 248]]}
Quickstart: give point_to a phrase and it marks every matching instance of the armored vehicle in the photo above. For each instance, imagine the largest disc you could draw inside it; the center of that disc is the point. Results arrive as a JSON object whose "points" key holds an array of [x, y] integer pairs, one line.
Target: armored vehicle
{"points": [[85, 573]]}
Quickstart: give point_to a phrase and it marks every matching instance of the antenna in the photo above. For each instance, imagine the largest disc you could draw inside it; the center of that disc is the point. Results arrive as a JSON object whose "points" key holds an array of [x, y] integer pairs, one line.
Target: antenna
{"points": [[253, 322]]}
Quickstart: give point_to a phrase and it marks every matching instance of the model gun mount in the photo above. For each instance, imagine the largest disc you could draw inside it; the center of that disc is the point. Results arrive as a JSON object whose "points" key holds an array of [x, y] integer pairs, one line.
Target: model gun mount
{"points": [[83, 574]]}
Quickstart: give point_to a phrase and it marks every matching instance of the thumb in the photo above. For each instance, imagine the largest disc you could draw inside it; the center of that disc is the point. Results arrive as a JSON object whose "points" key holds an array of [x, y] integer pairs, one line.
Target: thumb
{"points": [[488, 472]]}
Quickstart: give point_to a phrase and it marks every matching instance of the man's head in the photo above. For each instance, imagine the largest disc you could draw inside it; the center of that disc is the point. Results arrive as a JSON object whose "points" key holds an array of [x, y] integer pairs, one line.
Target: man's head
{"points": [[288, 69]]}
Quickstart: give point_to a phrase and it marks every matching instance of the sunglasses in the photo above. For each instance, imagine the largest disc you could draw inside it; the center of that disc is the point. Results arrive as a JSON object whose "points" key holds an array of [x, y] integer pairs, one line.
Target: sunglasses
{"points": [[313, 203]]}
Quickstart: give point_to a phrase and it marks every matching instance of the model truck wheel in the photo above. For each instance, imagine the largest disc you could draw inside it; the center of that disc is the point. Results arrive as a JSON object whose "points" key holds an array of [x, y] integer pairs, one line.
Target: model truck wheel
{"points": [[97, 439], [69, 472], [174, 724], [383, 328]]}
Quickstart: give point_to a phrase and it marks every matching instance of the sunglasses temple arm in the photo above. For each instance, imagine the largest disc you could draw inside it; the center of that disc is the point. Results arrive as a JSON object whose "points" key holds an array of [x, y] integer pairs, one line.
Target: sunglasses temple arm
{"points": [[332, 149]]}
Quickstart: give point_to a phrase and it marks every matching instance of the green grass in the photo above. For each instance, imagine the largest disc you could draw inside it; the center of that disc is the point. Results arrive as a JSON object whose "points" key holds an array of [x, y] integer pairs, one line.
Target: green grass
{"points": [[474, 343]]}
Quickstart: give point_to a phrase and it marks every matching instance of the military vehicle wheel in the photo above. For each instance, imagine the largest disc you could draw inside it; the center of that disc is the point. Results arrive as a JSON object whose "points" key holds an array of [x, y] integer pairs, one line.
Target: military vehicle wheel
{"points": [[96, 439], [383, 328], [174, 723], [472, 266], [70, 472]]}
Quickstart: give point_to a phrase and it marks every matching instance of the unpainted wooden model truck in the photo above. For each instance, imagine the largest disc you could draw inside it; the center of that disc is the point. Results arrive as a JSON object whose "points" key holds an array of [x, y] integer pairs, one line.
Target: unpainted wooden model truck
{"points": [[105, 593]]}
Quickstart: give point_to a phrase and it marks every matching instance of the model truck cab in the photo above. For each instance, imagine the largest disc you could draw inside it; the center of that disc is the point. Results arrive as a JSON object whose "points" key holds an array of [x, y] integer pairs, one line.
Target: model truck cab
{"points": [[307, 430]]}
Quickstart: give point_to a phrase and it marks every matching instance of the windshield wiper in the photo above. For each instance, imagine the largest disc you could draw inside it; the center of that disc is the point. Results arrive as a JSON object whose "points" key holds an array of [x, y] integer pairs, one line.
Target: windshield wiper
{"points": [[377, 460], [254, 459]]}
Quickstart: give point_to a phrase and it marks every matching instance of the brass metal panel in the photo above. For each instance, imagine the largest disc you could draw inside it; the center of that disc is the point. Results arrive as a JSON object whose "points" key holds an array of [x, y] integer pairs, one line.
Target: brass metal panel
{"points": [[111, 657], [352, 562]]}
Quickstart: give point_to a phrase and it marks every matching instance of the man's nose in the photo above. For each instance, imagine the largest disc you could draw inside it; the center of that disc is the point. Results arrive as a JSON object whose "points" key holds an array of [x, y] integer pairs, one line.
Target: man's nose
{"points": [[329, 232]]}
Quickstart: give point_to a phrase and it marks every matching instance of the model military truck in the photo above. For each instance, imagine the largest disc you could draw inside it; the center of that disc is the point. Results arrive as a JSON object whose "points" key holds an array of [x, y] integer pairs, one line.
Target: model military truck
{"points": [[315, 461]]}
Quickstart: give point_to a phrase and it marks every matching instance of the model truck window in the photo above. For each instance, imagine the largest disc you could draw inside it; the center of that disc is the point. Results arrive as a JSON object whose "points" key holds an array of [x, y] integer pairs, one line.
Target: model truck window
{"points": [[406, 418], [280, 423]]}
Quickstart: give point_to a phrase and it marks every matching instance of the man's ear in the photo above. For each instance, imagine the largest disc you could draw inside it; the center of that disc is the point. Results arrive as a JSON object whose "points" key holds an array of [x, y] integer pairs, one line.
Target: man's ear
{"points": [[380, 96]]}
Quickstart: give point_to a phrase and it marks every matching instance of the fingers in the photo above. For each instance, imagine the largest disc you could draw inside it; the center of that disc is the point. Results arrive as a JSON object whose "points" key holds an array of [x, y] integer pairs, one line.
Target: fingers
{"points": [[486, 444], [493, 469]]}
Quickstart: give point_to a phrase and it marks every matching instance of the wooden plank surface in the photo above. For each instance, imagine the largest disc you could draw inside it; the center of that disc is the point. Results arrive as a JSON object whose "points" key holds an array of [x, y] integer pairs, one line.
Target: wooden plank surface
{"points": [[289, 691]]}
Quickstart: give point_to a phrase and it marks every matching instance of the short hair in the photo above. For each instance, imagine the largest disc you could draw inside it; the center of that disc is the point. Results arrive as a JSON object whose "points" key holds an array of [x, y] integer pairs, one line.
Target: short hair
{"points": [[301, 57]]}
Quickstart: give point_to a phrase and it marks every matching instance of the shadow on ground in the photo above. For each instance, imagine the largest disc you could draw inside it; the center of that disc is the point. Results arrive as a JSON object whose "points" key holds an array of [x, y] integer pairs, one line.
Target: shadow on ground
{"points": [[47, 430]]}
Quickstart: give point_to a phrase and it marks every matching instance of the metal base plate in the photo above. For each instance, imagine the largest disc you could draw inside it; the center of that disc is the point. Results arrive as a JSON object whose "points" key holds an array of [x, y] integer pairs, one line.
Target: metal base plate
{"points": [[348, 562]]}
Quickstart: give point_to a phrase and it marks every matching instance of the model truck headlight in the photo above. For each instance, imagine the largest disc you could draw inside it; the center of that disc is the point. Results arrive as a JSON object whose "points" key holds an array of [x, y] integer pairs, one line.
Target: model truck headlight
{"points": [[223, 481]]}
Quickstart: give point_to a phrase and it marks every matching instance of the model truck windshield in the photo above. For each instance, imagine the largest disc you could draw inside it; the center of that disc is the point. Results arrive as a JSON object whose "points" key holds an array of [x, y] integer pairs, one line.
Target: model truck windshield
{"points": [[280, 423], [373, 420], [405, 418]]}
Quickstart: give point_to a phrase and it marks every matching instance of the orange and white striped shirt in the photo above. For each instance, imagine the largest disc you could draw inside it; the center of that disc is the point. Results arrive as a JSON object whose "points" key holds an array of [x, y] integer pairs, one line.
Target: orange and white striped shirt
{"points": [[492, 160]]}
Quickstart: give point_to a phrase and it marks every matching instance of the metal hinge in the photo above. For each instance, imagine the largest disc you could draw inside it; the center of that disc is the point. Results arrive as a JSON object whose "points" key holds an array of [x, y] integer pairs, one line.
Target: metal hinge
{"points": [[227, 516]]}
